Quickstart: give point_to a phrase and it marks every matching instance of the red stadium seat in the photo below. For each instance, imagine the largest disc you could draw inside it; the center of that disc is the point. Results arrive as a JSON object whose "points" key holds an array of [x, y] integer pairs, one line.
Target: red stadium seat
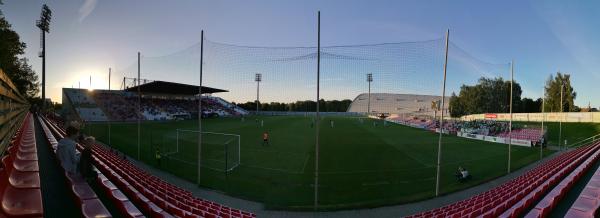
{"points": [[20, 179], [513, 197], [94, 208], [22, 202], [83, 192], [25, 165], [20, 192], [26, 156]]}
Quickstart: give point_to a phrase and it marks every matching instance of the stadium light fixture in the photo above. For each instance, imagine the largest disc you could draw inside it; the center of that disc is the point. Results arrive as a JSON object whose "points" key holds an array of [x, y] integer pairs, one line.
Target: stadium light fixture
{"points": [[257, 79]]}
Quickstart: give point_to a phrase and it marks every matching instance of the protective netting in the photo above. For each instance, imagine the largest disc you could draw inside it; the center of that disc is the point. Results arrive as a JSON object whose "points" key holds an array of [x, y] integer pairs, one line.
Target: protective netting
{"points": [[380, 106]]}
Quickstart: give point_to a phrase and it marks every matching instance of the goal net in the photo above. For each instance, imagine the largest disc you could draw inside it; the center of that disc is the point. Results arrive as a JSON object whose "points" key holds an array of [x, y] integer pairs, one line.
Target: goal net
{"points": [[220, 151]]}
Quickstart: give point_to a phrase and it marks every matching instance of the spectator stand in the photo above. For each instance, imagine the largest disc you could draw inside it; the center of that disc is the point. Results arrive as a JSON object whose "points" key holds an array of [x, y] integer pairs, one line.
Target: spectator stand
{"points": [[159, 101], [152, 195]]}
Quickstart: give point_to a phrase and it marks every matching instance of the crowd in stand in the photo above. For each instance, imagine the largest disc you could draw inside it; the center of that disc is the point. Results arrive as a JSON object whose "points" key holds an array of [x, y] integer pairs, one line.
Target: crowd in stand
{"points": [[123, 107], [482, 127], [117, 106], [479, 127]]}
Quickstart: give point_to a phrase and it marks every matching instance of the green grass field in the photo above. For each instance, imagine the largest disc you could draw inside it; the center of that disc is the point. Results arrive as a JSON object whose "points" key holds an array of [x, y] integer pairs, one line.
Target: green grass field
{"points": [[361, 165]]}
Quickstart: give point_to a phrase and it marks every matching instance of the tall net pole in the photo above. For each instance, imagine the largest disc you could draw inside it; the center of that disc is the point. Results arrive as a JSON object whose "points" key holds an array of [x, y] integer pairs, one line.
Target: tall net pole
{"points": [[511, 115], [200, 106], [317, 114], [109, 74], [139, 116], [439, 156], [369, 80], [562, 116], [543, 119]]}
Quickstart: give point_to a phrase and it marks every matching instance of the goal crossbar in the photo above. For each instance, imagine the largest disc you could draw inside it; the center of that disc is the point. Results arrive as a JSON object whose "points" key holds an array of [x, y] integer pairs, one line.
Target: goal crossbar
{"points": [[225, 143]]}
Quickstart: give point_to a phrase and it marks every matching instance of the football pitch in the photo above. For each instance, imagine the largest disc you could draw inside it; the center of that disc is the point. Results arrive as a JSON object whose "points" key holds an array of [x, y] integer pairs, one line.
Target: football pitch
{"points": [[362, 163]]}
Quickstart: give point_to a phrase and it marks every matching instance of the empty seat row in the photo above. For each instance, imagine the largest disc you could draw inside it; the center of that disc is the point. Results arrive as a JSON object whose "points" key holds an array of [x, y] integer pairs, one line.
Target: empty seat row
{"points": [[20, 191], [81, 191], [588, 202], [543, 208], [125, 206], [153, 195], [518, 192], [155, 192]]}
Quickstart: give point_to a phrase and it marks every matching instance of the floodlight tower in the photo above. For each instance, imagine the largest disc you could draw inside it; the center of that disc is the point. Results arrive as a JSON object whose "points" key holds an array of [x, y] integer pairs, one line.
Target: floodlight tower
{"points": [[257, 79], [44, 25], [369, 80]]}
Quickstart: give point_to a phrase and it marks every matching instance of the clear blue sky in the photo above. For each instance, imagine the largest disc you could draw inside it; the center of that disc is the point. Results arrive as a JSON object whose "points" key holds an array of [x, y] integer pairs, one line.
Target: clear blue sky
{"points": [[88, 36]]}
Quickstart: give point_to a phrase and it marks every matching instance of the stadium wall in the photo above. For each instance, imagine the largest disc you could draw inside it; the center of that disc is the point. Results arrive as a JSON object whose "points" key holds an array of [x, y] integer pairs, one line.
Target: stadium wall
{"points": [[13, 108], [569, 117], [496, 139]]}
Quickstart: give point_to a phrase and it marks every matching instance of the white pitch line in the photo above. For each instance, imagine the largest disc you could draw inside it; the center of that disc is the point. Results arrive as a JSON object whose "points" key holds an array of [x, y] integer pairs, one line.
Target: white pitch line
{"points": [[305, 162]]}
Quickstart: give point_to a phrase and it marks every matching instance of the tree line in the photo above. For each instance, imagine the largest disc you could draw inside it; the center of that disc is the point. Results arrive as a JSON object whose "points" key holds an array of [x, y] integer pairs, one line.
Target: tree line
{"points": [[300, 106], [16, 68], [492, 95]]}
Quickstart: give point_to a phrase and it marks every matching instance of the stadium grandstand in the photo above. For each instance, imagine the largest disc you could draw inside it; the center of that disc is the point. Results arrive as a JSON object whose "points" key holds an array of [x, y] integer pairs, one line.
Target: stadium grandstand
{"points": [[160, 100], [404, 104], [31, 176]]}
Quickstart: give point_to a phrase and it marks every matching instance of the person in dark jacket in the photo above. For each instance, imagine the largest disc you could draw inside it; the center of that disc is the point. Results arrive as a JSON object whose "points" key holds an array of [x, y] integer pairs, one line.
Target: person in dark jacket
{"points": [[86, 168]]}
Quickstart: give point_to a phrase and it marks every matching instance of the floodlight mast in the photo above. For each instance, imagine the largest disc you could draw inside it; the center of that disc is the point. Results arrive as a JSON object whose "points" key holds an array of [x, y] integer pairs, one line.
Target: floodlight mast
{"points": [[369, 80], [258, 79], [44, 25]]}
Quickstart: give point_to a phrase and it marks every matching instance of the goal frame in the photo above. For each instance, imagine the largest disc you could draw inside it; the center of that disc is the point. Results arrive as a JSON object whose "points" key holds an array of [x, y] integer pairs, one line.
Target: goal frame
{"points": [[239, 142]]}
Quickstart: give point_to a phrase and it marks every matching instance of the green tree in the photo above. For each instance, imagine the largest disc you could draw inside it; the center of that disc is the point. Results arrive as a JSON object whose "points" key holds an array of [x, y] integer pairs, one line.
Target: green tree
{"points": [[489, 95], [553, 93], [17, 69], [301, 106], [530, 106]]}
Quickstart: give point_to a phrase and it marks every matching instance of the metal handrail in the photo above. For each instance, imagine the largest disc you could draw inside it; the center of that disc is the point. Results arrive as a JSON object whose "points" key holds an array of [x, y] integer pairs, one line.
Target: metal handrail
{"points": [[585, 141]]}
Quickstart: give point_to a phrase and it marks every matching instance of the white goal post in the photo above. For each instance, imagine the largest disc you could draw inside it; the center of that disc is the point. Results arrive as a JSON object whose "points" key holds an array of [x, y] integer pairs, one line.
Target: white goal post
{"points": [[225, 148]]}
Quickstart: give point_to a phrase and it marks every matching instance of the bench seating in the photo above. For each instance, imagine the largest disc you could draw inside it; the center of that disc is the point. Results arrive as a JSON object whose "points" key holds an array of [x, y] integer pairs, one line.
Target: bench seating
{"points": [[151, 194], [83, 194], [513, 197], [20, 191]]}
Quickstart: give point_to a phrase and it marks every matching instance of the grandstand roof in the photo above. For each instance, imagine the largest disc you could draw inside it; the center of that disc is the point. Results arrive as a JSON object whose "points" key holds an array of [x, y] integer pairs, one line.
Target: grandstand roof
{"points": [[162, 87]]}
